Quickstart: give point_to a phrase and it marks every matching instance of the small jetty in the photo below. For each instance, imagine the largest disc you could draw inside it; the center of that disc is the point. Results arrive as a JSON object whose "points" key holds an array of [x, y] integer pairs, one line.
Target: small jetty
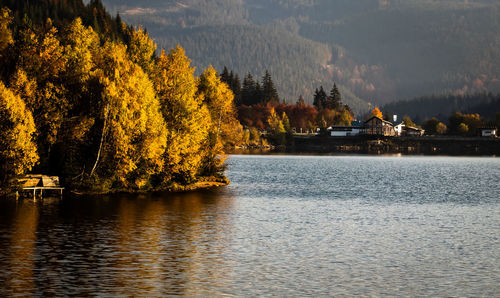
{"points": [[41, 183]]}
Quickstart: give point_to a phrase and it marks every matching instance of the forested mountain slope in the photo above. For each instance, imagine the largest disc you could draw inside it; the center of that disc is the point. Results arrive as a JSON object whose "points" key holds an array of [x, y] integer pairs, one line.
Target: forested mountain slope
{"points": [[382, 51]]}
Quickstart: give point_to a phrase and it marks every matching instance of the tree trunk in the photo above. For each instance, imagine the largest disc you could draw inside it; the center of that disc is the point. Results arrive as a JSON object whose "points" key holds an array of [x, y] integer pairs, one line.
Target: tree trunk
{"points": [[104, 127]]}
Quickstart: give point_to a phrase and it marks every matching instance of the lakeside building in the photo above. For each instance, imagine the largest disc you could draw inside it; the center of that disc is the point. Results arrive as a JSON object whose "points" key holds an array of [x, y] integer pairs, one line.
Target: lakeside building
{"points": [[413, 131], [379, 126], [374, 126], [490, 132], [409, 131], [398, 129], [345, 131]]}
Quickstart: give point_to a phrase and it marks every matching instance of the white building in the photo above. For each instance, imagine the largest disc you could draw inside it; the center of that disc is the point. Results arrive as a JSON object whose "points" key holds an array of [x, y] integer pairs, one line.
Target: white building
{"points": [[344, 131], [488, 132], [399, 129]]}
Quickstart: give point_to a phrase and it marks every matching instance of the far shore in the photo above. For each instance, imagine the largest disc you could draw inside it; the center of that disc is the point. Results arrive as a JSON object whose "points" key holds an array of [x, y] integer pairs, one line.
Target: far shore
{"points": [[381, 145]]}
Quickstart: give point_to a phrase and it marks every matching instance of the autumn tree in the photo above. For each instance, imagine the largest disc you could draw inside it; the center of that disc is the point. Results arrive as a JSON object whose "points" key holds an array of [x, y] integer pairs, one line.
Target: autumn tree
{"points": [[471, 123], [186, 117], [42, 58], [82, 49], [141, 49], [220, 102], [441, 128], [345, 118], [286, 123], [376, 112], [133, 135], [276, 128], [408, 122], [5, 33], [18, 153], [225, 130], [463, 128], [430, 126]]}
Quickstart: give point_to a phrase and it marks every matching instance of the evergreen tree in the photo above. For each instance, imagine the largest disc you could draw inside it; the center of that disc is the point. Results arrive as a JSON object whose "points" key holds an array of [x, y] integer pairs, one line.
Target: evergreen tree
{"points": [[248, 91], [301, 101], [335, 99], [236, 88], [226, 77], [258, 94], [269, 92], [320, 98]]}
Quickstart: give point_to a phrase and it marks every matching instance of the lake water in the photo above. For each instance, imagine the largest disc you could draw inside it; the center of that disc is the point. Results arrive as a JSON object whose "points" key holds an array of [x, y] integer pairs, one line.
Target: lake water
{"points": [[286, 226]]}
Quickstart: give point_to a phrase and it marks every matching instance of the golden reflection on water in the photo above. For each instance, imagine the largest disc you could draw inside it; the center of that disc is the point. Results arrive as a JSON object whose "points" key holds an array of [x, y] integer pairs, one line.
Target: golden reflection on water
{"points": [[123, 245], [22, 247], [167, 244]]}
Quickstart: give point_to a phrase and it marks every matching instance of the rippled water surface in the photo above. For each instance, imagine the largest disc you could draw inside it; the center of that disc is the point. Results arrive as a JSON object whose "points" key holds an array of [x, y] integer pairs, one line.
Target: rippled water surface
{"points": [[286, 226]]}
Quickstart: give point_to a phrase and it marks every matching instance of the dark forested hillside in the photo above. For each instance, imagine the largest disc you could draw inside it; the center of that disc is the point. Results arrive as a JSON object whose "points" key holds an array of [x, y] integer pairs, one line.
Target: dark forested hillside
{"points": [[381, 51], [443, 106], [62, 13], [295, 63]]}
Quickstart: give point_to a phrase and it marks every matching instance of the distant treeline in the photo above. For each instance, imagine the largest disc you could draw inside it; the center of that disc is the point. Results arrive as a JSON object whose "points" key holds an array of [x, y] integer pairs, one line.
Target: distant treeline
{"points": [[259, 108], [62, 12], [443, 106], [378, 50]]}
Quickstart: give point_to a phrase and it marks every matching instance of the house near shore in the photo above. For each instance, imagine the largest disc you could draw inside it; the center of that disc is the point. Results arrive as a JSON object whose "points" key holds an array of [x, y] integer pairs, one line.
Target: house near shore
{"points": [[407, 131], [345, 131], [488, 132], [398, 129], [375, 126], [379, 126]]}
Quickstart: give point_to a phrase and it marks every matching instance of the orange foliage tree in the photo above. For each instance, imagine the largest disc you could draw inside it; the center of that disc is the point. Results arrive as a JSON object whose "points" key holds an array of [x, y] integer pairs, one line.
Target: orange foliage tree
{"points": [[377, 113]]}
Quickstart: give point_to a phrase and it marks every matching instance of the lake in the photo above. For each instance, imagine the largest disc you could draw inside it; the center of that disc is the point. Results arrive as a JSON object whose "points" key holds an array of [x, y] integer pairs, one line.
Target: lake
{"points": [[286, 226]]}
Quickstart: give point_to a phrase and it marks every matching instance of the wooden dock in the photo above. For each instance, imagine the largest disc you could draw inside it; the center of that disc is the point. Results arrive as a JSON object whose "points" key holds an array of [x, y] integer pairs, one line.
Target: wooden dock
{"points": [[40, 183]]}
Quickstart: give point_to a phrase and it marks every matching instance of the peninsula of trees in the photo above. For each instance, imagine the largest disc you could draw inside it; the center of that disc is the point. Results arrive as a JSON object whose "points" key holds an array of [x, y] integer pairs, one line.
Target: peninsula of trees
{"points": [[87, 98]]}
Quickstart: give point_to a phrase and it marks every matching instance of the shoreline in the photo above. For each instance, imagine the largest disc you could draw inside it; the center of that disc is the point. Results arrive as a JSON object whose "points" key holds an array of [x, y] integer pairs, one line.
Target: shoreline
{"points": [[383, 146], [379, 145], [197, 186]]}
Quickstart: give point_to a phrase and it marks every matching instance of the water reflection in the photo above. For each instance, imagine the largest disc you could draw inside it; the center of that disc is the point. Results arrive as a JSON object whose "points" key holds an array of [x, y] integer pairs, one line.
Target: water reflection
{"points": [[286, 226], [121, 245], [21, 252]]}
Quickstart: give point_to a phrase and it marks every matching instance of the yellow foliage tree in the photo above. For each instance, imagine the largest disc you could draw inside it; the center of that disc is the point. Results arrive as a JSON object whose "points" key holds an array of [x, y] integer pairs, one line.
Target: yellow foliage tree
{"points": [[18, 152], [220, 101], [42, 58], [141, 49], [441, 128], [186, 117], [275, 123], [226, 130], [81, 46], [345, 118], [5, 33], [133, 137]]}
